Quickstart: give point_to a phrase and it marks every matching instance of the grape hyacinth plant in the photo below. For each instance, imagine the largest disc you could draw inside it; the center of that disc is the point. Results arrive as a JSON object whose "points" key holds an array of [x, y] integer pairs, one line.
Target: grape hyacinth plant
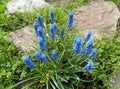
{"points": [[89, 66], [28, 62], [61, 34], [54, 55], [61, 58], [88, 36], [77, 44], [38, 56], [70, 20], [51, 16], [39, 20]]}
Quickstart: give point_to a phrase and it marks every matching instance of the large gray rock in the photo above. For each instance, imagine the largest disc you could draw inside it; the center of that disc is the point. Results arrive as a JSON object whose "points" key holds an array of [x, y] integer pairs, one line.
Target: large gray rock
{"points": [[24, 38], [100, 17]]}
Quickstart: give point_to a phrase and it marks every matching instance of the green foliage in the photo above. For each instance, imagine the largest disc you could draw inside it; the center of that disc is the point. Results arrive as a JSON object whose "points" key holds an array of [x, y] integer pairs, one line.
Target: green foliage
{"points": [[117, 2], [9, 63], [73, 4], [19, 20], [2, 11], [108, 57]]}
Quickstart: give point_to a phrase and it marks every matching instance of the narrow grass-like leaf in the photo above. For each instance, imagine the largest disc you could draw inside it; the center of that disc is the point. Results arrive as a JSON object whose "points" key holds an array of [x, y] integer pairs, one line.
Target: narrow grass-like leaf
{"points": [[53, 87], [54, 81], [60, 84]]}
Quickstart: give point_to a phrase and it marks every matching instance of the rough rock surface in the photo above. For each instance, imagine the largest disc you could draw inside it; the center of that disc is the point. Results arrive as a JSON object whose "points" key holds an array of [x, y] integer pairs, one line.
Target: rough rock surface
{"points": [[24, 5], [115, 82], [100, 17], [24, 38]]}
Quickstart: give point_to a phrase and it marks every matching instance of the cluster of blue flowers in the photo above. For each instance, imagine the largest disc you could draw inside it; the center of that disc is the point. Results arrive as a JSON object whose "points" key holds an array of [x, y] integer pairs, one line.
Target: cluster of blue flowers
{"points": [[89, 66], [70, 20], [77, 44], [87, 47], [41, 40], [52, 16], [86, 50], [54, 55], [28, 62]]}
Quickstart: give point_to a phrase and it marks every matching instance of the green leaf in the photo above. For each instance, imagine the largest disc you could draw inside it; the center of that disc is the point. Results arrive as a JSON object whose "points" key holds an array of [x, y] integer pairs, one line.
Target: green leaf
{"points": [[53, 87], [54, 81], [60, 84]]}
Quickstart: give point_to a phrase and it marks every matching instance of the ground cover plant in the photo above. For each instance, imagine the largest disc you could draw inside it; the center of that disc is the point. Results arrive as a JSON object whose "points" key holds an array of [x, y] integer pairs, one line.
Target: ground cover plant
{"points": [[9, 62], [2, 13]]}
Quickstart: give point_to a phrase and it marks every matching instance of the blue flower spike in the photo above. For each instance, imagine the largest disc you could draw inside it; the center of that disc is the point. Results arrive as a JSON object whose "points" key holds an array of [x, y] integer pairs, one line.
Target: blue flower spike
{"points": [[52, 16], [44, 58], [39, 20], [36, 27], [77, 45], [93, 53], [89, 66], [52, 31], [54, 55], [88, 36], [70, 20], [28, 62], [41, 44], [87, 48], [38, 56], [61, 34], [40, 33], [55, 27]]}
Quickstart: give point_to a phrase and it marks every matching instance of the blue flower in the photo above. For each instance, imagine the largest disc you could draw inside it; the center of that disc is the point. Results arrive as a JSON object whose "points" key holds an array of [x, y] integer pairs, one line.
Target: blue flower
{"points": [[77, 44], [28, 62], [55, 27], [51, 16], [40, 33], [70, 20], [36, 27], [61, 34], [87, 48], [39, 20], [52, 31], [44, 58], [89, 66], [38, 56], [88, 36], [54, 55], [93, 53], [41, 44]]}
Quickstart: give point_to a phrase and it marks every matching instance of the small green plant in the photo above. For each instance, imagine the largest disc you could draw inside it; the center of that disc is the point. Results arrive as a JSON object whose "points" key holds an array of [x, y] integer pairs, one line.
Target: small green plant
{"points": [[2, 13], [10, 64], [62, 60]]}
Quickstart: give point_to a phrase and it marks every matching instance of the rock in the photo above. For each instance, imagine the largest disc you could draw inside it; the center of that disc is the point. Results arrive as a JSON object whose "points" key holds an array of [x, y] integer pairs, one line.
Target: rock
{"points": [[24, 38], [115, 82], [99, 16], [24, 5]]}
